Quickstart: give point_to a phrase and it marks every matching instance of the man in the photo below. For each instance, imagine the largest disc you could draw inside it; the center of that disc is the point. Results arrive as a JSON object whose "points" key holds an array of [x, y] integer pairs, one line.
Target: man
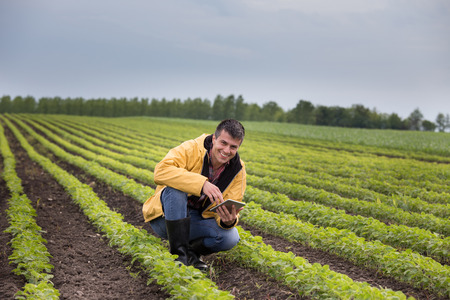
{"points": [[191, 179]]}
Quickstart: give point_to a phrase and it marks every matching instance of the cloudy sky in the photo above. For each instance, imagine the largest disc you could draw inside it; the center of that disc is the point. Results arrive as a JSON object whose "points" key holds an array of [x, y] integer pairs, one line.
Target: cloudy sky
{"points": [[392, 55]]}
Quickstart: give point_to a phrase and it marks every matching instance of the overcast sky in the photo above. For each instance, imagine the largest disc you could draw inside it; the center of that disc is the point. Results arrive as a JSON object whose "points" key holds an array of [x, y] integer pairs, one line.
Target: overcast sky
{"points": [[392, 55]]}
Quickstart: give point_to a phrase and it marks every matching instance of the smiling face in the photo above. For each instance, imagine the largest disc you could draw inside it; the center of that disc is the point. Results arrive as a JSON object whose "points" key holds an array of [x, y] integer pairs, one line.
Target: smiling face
{"points": [[224, 148]]}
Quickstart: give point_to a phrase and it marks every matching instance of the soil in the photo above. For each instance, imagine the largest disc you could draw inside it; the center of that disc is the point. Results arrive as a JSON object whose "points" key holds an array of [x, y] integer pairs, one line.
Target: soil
{"points": [[9, 282], [87, 268]]}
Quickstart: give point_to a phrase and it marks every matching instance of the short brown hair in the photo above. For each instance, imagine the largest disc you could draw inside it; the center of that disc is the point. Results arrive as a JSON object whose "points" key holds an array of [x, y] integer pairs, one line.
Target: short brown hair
{"points": [[233, 127]]}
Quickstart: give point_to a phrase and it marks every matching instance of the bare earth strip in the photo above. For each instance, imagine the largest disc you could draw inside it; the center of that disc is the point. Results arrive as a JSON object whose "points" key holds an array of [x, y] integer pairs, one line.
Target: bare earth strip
{"points": [[85, 266], [240, 281], [9, 283]]}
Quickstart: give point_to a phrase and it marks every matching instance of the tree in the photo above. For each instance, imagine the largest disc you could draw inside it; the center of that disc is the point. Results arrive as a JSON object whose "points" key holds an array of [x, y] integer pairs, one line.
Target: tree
{"points": [[272, 112], [229, 107], [240, 108], [322, 115], [360, 116], [5, 104], [447, 121], [415, 120], [441, 122], [428, 125], [395, 122], [253, 112], [303, 113], [218, 108], [339, 116], [17, 105], [29, 105]]}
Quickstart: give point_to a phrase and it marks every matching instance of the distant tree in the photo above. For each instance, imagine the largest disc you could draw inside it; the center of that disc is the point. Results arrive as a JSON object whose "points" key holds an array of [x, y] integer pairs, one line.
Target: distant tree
{"points": [[395, 122], [29, 105], [164, 108], [53, 105], [303, 113], [175, 108], [204, 108], [229, 107], [122, 107], [218, 108], [377, 120], [415, 120], [381, 121], [271, 111], [339, 116], [441, 122], [42, 105], [100, 108], [134, 107], [154, 108], [144, 106], [447, 121], [197, 109], [190, 111], [240, 108], [322, 115], [17, 105], [88, 107], [253, 113], [428, 125], [76, 107], [5, 104], [360, 116]]}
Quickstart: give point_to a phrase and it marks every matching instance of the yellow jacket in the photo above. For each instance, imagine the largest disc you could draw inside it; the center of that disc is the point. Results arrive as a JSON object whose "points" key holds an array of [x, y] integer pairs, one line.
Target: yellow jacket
{"points": [[183, 168]]}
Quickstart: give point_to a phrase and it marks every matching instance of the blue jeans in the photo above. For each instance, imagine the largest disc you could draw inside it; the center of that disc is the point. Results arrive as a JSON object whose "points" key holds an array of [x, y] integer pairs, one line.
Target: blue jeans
{"points": [[174, 204]]}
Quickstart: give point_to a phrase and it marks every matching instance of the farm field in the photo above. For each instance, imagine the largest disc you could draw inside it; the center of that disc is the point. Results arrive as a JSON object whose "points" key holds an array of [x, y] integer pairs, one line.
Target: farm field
{"points": [[327, 218]]}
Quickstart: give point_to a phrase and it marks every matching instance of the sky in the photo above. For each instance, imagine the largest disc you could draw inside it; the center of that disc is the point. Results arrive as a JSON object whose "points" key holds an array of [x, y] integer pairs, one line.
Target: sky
{"points": [[388, 55]]}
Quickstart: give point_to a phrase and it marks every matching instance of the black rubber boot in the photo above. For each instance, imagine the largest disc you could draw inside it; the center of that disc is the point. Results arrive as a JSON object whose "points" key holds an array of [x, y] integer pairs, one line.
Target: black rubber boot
{"points": [[196, 248], [178, 236]]}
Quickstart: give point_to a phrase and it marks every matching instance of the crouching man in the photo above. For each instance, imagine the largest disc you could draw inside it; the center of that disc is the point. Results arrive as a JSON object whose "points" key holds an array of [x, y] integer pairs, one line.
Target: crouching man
{"points": [[191, 179]]}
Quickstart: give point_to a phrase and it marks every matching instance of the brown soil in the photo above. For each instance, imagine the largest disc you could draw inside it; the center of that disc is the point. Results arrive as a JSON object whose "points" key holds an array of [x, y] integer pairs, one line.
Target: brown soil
{"points": [[9, 282], [87, 268]]}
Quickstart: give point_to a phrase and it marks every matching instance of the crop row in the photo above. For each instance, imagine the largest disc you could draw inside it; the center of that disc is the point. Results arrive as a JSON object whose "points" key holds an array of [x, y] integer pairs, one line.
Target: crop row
{"points": [[422, 271], [348, 165], [181, 282], [340, 167], [407, 145], [403, 202], [398, 236], [328, 138], [432, 177], [374, 209], [115, 140], [30, 255], [406, 266], [367, 189], [312, 280]]}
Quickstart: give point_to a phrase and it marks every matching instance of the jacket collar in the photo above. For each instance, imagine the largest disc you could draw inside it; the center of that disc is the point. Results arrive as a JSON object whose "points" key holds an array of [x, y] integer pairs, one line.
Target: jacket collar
{"points": [[230, 171]]}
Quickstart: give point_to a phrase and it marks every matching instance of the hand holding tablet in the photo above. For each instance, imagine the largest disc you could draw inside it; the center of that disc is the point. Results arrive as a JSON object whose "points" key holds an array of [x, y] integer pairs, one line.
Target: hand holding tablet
{"points": [[228, 204]]}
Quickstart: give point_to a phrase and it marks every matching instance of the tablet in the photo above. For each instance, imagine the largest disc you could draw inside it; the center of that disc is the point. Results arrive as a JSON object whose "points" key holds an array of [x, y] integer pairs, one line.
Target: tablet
{"points": [[228, 203]]}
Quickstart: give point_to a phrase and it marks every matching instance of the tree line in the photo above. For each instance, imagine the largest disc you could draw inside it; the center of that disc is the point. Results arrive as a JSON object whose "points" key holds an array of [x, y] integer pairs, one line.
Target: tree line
{"points": [[304, 112]]}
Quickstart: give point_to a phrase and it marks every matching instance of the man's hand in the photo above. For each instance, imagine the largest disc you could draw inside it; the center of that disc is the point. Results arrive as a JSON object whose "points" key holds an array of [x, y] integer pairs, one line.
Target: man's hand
{"points": [[226, 216], [215, 195], [213, 192]]}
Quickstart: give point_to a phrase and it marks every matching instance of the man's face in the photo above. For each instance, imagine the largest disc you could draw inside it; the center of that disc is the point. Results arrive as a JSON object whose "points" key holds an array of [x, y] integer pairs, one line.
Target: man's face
{"points": [[224, 148]]}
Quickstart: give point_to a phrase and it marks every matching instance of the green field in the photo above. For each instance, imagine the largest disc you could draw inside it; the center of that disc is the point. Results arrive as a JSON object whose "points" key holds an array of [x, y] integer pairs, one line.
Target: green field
{"points": [[377, 199]]}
